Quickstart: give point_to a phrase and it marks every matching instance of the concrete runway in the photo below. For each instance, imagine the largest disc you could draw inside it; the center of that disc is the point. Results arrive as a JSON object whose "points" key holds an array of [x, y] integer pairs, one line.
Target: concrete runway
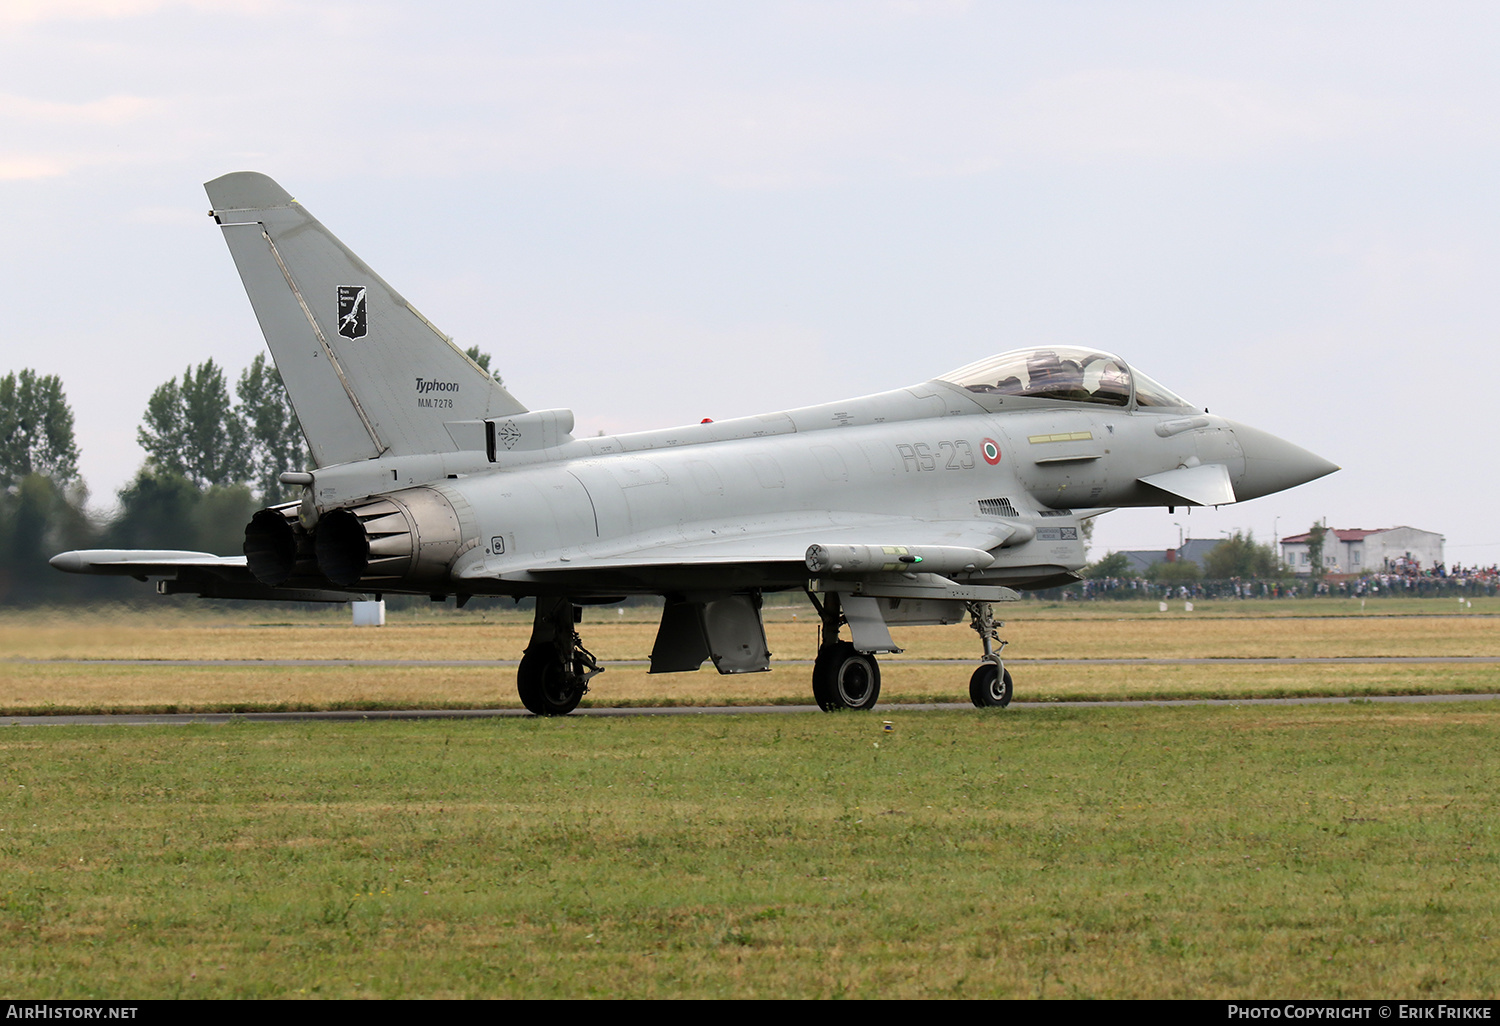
{"points": [[145, 719]]}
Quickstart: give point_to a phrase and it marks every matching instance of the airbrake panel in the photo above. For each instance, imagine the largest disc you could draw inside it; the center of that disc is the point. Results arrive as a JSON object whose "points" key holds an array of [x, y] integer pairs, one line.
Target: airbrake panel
{"points": [[727, 630]]}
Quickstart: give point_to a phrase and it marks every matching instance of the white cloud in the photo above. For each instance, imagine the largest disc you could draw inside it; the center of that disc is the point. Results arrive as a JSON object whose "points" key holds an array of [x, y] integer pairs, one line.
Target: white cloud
{"points": [[47, 138], [1390, 267], [20, 167], [112, 110], [842, 14], [24, 12], [1168, 115], [182, 217], [653, 111], [622, 100], [32, 12], [928, 8], [650, 370]]}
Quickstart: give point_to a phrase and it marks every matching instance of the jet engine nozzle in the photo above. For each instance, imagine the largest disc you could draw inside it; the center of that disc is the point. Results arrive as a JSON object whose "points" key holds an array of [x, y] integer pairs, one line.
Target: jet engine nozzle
{"points": [[279, 552], [1272, 464], [405, 541]]}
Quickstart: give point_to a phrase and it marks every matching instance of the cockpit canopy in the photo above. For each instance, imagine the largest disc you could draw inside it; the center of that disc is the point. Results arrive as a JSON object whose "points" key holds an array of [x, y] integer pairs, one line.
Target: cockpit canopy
{"points": [[1062, 372]]}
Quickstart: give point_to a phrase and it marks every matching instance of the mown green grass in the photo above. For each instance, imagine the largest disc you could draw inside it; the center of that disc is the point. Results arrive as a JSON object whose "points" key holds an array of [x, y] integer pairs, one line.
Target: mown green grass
{"points": [[1190, 852]]}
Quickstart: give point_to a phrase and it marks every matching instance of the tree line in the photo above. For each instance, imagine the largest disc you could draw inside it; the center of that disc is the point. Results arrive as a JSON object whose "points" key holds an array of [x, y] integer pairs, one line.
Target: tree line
{"points": [[211, 461], [213, 457], [1238, 556]]}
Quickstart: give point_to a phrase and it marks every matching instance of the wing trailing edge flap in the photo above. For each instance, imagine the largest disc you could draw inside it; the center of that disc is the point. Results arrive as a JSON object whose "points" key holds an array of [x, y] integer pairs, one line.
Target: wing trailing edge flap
{"points": [[1207, 484]]}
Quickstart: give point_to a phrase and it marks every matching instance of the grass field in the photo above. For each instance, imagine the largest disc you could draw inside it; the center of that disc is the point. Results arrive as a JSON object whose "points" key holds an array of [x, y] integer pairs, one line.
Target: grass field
{"points": [[1333, 851], [43, 673], [1051, 851]]}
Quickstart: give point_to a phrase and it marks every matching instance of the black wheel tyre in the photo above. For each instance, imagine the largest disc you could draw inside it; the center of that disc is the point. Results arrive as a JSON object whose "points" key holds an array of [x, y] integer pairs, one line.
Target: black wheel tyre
{"points": [[990, 687], [821, 673], [529, 681], [543, 686], [845, 679]]}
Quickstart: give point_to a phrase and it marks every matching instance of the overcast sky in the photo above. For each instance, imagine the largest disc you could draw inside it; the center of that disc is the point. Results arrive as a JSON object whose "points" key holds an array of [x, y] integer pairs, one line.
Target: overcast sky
{"points": [[653, 213]]}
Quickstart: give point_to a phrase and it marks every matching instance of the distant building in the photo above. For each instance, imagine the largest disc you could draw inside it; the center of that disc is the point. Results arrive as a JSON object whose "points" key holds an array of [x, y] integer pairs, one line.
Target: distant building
{"points": [[1354, 550], [1193, 550], [1141, 559]]}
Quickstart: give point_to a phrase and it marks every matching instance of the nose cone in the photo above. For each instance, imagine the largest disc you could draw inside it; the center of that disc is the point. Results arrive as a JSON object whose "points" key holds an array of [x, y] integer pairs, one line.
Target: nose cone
{"points": [[1274, 465], [68, 562]]}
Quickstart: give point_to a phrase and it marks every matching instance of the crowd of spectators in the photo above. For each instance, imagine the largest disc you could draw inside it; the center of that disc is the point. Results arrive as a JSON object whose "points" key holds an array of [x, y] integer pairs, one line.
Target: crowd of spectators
{"points": [[1412, 579], [1409, 581]]}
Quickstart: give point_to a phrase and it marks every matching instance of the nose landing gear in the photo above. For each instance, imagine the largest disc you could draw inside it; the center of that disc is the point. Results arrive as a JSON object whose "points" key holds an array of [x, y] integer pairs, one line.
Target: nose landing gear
{"points": [[845, 677], [990, 686]]}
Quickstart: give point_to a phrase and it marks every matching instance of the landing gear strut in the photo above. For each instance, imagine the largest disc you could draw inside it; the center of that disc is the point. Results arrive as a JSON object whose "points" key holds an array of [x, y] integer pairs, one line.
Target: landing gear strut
{"points": [[843, 676], [990, 686], [555, 669]]}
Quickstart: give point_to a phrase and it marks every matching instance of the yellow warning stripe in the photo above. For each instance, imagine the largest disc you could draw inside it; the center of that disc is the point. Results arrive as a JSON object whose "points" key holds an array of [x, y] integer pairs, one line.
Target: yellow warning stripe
{"points": [[1066, 436]]}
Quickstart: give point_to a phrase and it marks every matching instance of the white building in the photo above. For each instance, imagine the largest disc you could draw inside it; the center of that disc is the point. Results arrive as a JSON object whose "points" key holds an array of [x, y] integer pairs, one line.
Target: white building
{"points": [[1356, 550]]}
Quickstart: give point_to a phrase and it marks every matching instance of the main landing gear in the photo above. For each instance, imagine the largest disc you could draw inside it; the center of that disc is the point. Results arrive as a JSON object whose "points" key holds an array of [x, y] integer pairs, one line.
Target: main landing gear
{"points": [[556, 668], [843, 676], [990, 686]]}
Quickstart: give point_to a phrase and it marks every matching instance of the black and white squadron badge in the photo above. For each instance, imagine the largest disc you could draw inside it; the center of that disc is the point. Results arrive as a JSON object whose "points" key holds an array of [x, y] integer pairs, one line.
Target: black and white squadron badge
{"points": [[353, 320]]}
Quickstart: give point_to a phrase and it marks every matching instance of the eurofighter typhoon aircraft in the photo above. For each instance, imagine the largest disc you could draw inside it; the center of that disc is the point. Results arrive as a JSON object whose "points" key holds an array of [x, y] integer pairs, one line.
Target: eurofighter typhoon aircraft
{"points": [[921, 505]]}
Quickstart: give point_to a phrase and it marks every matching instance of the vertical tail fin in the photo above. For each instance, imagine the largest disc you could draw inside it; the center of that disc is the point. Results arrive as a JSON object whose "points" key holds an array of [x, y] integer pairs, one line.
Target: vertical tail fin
{"points": [[367, 374]]}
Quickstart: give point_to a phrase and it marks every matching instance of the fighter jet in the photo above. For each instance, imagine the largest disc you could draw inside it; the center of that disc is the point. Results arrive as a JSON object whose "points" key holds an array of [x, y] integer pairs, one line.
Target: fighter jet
{"points": [[925, 504]]}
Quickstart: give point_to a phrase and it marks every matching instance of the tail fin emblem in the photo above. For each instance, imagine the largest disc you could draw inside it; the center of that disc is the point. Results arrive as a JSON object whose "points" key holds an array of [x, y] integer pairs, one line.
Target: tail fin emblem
{"points": [[352, 318]]}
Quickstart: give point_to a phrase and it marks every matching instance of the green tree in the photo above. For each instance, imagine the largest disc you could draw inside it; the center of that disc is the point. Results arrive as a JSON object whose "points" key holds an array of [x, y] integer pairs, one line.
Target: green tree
{"points": [[38, 519], [219, 519], [1114, 564], [483, 359], [163, 510], [155, 511], [274, 434], [192, 430], [1240, 556], [1315, 550], [1182, 571], [36, 429]]}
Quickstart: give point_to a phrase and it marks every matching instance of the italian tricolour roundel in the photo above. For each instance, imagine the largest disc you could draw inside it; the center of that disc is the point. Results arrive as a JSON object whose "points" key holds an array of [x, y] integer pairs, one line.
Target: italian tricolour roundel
{"points": [[991, 452]]}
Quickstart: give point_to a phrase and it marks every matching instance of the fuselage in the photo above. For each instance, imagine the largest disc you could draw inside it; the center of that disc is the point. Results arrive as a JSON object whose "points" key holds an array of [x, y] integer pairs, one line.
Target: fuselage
{"points": [[1024, 467]]}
